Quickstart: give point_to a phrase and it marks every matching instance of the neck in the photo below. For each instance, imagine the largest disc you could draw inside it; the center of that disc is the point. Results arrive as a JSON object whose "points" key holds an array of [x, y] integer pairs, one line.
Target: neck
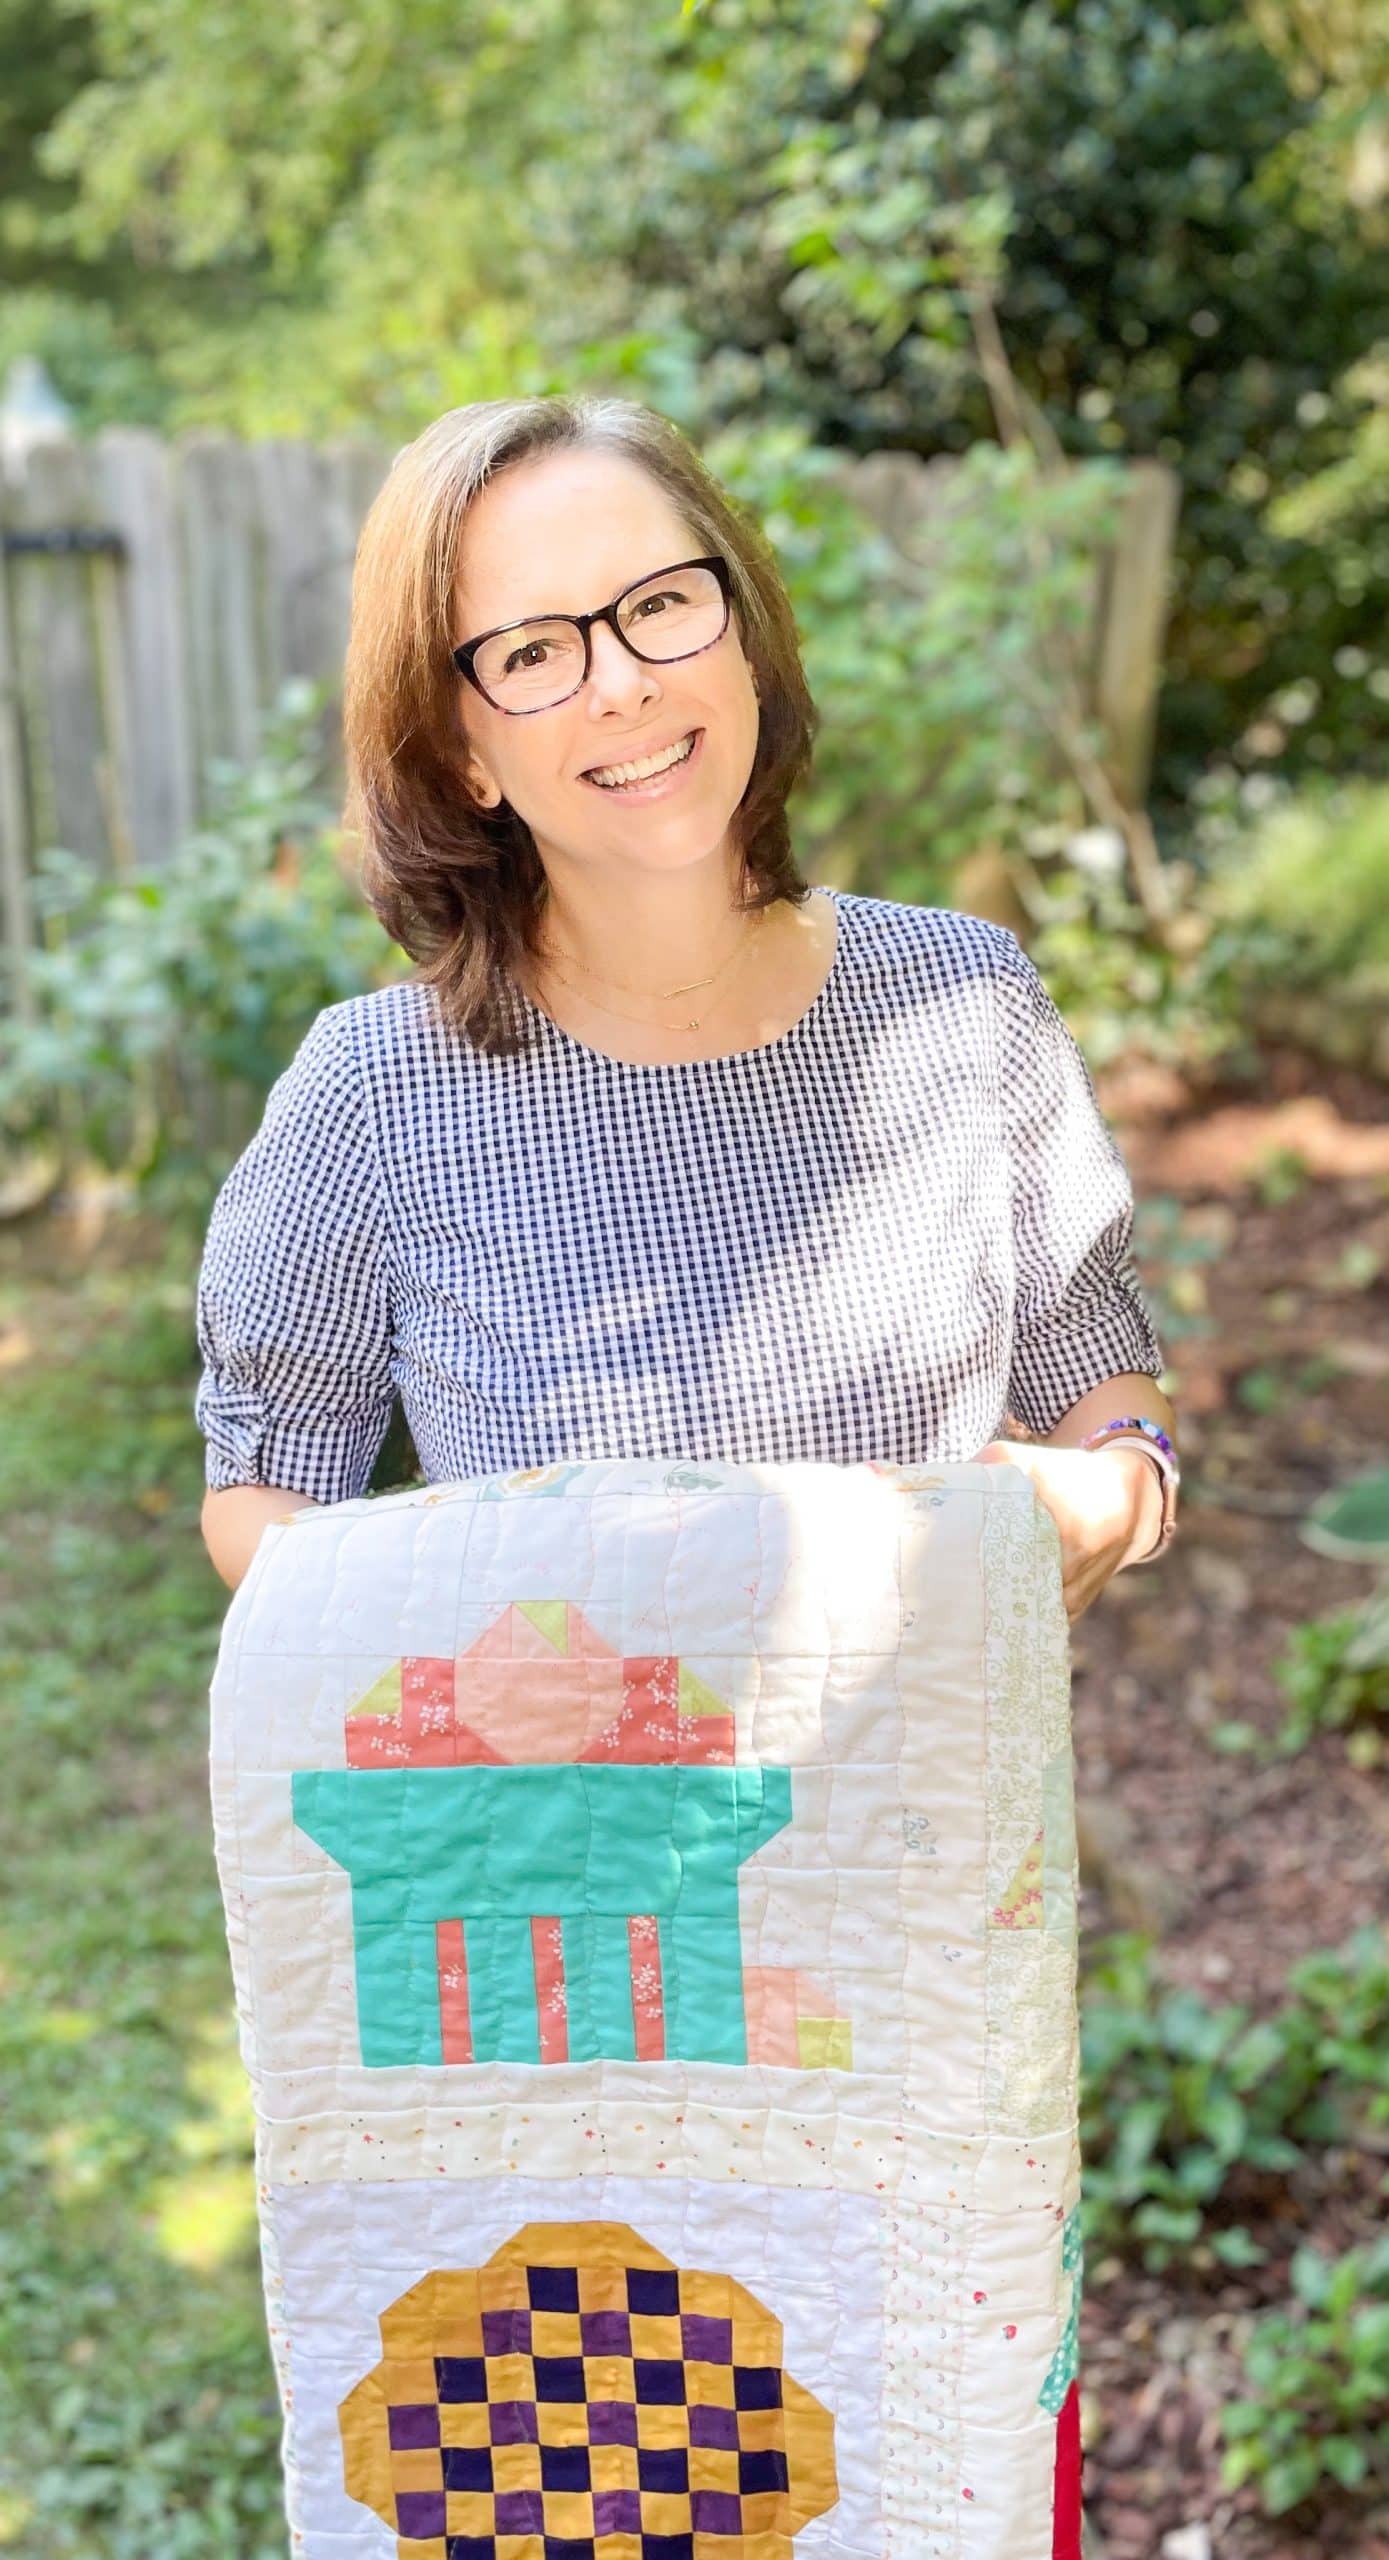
{"points": [[650, 928]]}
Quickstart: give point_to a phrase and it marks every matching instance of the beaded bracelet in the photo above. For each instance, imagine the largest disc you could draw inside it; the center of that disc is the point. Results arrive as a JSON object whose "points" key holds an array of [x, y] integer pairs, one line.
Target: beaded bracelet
{"points": [[1153, 1440]]}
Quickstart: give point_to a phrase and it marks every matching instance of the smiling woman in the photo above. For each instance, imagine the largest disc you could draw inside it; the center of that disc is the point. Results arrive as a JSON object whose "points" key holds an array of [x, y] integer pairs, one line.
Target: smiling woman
{"points": [[575, 710], [662, 1153]]}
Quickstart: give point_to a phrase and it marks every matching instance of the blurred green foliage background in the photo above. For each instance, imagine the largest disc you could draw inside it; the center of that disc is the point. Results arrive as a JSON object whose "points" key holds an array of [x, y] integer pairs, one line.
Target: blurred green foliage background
{"points": [[297, 221], [804, 232]]}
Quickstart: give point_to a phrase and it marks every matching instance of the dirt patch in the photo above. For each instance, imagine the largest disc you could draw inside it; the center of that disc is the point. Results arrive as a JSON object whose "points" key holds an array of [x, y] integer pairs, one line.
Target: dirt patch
{"points": [[1236, 1867]]}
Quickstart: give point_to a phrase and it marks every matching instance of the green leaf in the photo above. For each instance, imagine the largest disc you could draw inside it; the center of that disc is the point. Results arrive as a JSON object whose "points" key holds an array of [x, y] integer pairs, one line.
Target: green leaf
{"points": [[1346, 2458], [1352, 1521], [1287, 2482], [1237, 2247]]}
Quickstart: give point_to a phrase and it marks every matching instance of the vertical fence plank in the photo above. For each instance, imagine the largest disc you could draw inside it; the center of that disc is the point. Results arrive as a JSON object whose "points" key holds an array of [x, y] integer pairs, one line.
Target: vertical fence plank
{"points": [[134, 476], [55, 652], [220, 529], [354, 474], [1132, 622], [17, 922]]}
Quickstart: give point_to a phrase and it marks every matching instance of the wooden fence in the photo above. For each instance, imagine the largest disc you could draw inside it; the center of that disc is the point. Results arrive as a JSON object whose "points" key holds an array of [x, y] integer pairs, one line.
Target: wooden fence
{"points": [[155, 596]]}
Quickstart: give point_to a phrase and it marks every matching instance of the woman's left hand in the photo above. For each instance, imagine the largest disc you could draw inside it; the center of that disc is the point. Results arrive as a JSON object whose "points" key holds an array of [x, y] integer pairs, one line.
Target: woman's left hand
{"points": [[1098, 1499]]}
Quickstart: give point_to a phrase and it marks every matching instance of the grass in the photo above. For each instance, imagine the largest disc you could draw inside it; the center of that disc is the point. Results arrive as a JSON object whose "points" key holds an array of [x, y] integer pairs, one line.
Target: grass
{"points": [[137, 2405]]}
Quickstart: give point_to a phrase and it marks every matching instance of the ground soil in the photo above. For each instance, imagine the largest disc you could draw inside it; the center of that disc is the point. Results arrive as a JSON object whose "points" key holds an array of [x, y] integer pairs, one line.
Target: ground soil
{"points": [[1237, 1867]]}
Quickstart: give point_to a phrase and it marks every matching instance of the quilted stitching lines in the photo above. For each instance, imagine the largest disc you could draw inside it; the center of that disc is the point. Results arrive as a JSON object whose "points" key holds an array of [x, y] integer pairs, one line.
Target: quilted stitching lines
{"points": [[583, 2395], [544, 1840]]}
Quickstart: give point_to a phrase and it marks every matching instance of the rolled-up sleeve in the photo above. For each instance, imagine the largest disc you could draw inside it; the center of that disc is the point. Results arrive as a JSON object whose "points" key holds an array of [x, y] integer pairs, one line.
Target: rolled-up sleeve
{"points": [[1080, 1315], [294, 1301]]}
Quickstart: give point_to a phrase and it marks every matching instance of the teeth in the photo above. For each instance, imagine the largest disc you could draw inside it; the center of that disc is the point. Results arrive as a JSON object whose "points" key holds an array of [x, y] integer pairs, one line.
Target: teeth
{"points": [[611, 774]]}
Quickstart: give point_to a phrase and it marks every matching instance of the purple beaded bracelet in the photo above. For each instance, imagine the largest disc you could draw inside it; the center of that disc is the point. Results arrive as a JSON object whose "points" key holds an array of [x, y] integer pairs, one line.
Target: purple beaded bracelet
{"points": [[1150, 1437]]}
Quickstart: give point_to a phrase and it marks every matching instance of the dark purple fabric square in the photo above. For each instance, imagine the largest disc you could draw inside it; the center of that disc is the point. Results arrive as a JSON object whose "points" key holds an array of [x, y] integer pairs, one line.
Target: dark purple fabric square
{"points": [[616, 2511], [757, 2386], [663, 2467], [667, 2546], [758, 2471], [413, 2427], [506, 2333], [660, 2380], [565, 2466], [715, 2429], [460, 2377], [605, 2333], [716, 2511], [559, 2378], [514, 2422], [706, 2341], [420, 2513], [553, 2288], [468, 2466], [520, 2511], [654, 2290], [614, 2422]]}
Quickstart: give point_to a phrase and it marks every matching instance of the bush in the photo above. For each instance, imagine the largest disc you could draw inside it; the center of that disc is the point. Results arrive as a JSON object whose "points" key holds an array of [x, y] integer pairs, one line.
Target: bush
{"points": [[1298, 896], [170, 1001], [1321, 2371], [1181, 2100], [940, 708], [1334, 1673]]}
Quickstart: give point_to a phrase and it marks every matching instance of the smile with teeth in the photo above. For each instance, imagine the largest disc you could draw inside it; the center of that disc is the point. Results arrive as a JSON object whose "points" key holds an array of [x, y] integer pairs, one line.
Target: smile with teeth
{"points": [[612, 777]]}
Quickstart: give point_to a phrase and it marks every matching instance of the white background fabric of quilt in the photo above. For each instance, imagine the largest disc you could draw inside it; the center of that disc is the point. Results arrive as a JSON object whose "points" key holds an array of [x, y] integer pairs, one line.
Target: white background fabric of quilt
{"points": [[829, 2059]]}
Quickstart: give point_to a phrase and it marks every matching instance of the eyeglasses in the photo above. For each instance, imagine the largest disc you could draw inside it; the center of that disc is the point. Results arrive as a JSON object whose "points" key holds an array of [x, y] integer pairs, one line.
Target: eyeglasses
{"points": [[531, 666]]}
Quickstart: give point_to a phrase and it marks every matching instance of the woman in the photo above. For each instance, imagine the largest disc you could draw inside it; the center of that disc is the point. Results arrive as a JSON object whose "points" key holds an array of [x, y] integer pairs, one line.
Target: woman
{"points": [[661, 1153]]}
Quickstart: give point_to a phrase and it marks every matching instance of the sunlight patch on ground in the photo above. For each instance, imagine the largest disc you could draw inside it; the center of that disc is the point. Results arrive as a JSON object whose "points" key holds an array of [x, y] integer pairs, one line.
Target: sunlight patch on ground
{"points": [[204, 2219], [15, 2513]]}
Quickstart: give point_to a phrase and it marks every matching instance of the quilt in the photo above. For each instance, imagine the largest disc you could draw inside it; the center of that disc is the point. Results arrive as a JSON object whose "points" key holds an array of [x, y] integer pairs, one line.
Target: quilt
{"points": [[651, 1896]]}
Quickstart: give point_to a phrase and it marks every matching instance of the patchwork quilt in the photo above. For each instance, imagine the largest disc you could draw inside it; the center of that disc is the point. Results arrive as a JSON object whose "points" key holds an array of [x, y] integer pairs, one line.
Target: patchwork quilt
{"points": [[652, 1905]]}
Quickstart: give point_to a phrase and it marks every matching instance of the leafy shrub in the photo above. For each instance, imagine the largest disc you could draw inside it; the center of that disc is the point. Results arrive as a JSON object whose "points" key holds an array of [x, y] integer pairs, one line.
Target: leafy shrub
{"points": [[1334, 1673], [170, 1001], [1298, 897], [1321, 2372], [1180, 2099], [1175, 2096], [935, 681]]}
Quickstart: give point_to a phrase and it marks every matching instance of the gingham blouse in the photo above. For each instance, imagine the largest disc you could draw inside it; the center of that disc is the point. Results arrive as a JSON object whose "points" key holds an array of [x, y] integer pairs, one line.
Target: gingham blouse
{"points": [[873, 1237]]}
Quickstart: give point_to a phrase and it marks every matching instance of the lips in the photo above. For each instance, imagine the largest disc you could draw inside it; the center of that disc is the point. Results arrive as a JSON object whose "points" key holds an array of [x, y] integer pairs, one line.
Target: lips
{"points": [[638, 754]]}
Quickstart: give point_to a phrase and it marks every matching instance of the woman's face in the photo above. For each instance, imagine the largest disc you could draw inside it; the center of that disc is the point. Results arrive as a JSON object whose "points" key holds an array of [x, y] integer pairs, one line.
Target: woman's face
{"points": [[566, 533]]}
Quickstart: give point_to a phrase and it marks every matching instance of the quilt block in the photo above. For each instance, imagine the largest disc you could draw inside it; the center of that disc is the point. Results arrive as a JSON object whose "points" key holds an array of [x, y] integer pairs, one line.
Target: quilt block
{"points": [[651, 1897]]}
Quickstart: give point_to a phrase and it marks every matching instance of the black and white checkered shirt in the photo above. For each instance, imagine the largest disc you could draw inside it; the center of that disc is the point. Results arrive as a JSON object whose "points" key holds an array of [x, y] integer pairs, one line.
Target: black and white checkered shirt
{"points": [[873, 1237]]}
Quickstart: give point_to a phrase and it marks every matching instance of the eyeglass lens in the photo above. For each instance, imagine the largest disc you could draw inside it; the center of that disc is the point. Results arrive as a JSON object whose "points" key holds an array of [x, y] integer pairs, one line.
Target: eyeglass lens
{"points": [[534, 664]]}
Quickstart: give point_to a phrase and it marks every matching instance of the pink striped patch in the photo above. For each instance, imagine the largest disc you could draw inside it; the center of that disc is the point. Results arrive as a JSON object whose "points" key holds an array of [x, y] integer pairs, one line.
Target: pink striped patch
{"points": [[455, 2017], [547, 1951], [648, 1998]]}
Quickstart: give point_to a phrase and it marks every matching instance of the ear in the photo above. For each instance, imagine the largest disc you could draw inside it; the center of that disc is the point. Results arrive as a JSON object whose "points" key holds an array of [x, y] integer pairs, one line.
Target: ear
{"points": [[478, 783]]}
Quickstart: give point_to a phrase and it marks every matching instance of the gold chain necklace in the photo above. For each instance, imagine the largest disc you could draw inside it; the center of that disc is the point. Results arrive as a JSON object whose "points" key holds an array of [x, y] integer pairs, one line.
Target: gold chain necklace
{"points": [[621, 1015], [659, 995]]}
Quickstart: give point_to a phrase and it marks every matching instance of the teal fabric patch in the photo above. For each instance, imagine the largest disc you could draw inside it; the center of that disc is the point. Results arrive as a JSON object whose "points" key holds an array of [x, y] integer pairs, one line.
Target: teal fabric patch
{"points": [[1065, 2364], [591, 1846]]}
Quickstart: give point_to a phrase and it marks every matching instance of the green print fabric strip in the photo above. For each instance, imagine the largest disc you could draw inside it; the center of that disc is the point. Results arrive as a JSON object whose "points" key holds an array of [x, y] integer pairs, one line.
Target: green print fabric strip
{"points": [[497, 1849]]}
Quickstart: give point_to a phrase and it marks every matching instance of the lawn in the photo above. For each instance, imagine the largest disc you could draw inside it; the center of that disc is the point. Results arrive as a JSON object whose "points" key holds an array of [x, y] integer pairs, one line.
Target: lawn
{"points": [[137, 2407]]}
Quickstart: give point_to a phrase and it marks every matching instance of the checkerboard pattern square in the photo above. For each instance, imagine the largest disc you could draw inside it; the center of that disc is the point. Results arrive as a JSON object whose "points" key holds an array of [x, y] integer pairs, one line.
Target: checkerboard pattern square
{"points": [[599, 2411]]}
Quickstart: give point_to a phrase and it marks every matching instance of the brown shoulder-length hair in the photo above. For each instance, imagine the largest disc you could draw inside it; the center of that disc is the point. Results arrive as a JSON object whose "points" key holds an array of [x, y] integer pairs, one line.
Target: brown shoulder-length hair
{"points": [[460, 887]]}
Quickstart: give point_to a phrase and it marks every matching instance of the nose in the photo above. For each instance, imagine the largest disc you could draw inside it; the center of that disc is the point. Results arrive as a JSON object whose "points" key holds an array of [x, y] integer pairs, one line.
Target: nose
{"points": [[617, 681]]}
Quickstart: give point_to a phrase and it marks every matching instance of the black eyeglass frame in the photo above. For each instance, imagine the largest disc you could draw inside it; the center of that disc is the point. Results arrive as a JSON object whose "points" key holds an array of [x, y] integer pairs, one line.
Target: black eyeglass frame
{"points": [[583, 623]]}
